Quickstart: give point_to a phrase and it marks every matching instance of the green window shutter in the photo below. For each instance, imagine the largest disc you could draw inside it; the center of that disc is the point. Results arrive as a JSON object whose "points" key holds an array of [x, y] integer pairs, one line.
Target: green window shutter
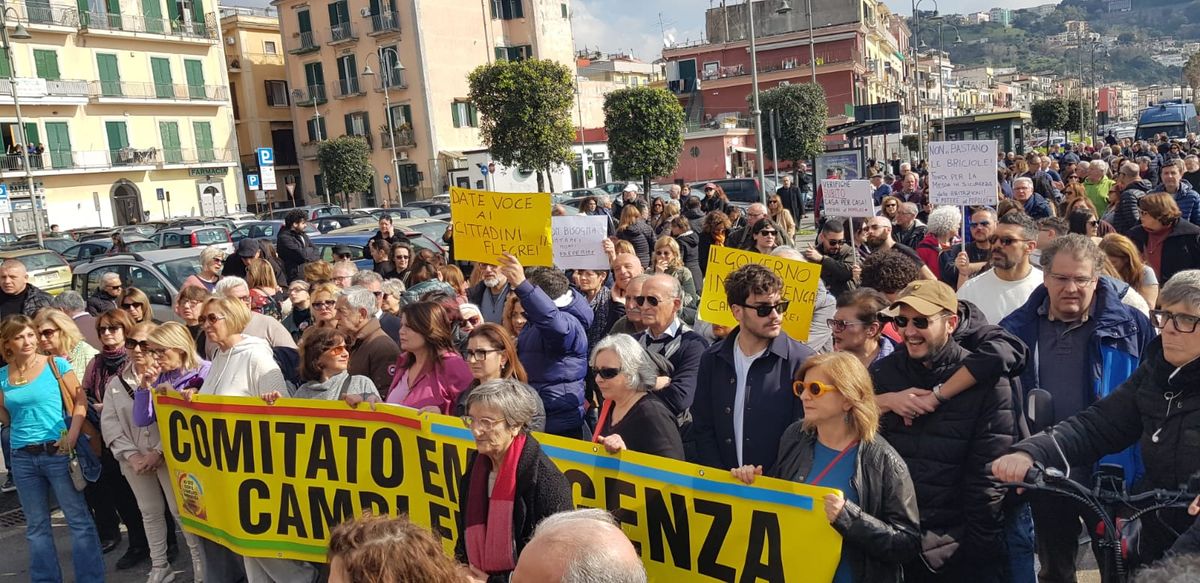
{"points": [[163, 84], [5, 68], [198, 24], [304, 20], [118, 138], [194, 70], [110, 75], [114, 7], [152, 12], [46, 63], [59, 140], [473, 114], [173, 11], [31, 133], [454, 114], [501, 54], [172, 146], [204, 141]]}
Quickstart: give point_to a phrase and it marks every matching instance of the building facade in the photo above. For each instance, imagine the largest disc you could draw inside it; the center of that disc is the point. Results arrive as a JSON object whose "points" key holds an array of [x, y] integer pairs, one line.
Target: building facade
{"points": [[419, 53], [260, 97], [126, 111]]}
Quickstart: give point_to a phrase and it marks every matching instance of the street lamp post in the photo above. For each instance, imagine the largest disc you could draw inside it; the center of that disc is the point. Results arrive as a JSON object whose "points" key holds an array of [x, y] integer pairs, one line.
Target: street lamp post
{"points": [[387, 81], [298, 95], [756, 111], [941, 69], [916, 8], [20, 33]]}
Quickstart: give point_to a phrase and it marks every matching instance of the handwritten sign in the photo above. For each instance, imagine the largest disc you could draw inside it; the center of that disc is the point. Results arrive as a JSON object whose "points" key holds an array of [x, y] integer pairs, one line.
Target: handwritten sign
{"points": [[489, 224], [848, 198], [579, 242], [800, 280], [963, 173]]}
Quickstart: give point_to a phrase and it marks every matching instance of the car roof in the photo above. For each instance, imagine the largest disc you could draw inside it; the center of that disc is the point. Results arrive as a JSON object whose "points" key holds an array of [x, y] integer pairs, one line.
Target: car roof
{"points": [[12, 253], [152, 256], [190, 228]]}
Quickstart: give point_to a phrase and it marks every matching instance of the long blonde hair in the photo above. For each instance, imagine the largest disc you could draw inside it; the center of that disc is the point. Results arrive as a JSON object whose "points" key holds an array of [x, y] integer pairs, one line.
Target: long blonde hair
{"points": [[670, 243], [175, 336], [629, 215], [854, 383], [68, 336]]}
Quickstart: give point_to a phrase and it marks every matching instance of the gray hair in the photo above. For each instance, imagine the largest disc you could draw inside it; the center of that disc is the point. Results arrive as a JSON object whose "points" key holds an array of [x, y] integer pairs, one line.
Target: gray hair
{"points": [[1082, 165], [638, 279], [676, 188], [110, 276], [1078, 246], [1129, 169], [583, 538], [209, 254], [1182, 288], [1101, 164], [359, 298], [68, 302], [1023, 180], [676, 289], [344, 266], [909, 208], [636, 365], [944, 220], [229, 283], [365, 277], [514, 399], [1029, 228], [1192, 157], [393, 287], [465, 307], [787, 252]]}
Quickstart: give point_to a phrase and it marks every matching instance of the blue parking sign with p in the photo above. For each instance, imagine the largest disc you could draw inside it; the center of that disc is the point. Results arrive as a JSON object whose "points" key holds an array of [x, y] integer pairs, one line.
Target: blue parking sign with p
{"points": [[266, 157]]}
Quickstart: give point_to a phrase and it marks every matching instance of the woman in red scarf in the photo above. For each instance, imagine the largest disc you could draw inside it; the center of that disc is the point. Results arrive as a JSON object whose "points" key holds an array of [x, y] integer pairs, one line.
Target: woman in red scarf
{"points": [[1168, 243], [510, 484]]}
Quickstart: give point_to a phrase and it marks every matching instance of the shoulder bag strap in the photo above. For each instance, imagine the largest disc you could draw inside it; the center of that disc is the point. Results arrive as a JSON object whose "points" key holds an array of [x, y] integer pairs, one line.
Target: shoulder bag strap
{"points": [[68, 401], [345, 385]]}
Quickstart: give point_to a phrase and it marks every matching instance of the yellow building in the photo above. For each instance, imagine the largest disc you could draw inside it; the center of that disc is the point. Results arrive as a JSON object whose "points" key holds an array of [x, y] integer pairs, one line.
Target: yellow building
{"points": [[259, 88], [119, 104], [419, 53]]}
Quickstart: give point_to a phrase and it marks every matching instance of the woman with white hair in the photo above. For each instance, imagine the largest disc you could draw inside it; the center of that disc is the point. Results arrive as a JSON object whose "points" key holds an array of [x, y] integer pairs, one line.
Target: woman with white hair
{"points": [[943, 224], [212, 261], [632, 418]]}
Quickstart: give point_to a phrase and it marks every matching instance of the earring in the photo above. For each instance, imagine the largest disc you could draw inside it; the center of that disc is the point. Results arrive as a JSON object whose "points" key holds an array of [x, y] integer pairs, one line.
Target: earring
{"points": [[846, 418]]}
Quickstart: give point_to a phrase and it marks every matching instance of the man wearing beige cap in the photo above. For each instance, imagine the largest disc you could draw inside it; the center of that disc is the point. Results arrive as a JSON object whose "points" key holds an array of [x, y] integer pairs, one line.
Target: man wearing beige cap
{"points": [[946, 449]]}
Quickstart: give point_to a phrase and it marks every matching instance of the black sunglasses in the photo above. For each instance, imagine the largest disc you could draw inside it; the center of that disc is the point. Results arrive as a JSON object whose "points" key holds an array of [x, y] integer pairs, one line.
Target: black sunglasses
{"points": [[130, 344], [130, 306], [920, 322], [641, 300], [106, 329], [606, 373], [764, 311]]}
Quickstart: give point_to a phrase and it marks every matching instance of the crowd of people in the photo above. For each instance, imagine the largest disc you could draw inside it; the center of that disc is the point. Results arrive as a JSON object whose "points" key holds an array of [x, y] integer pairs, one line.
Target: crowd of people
{"points": [[913, 378]]}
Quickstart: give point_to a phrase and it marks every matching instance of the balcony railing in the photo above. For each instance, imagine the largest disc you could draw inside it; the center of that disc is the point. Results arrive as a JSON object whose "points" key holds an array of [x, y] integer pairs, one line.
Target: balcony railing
{"points": [[349, 88], [391, 79], [136, 23], [134, 156], [175, 91], [313, 94], [385, 22], [196, 155], [341, 32], [56, 159], [47, 14], [403, 138], [304, 42], [33, 87]]}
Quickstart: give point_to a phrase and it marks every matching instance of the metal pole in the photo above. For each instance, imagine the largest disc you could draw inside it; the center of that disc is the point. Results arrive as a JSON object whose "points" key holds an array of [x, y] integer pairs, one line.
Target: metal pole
{"points": [[916, 66], [812, 42], [942, 76], [387, 100], [583, 161], [37, 212], [774, 148], [755, 112]]}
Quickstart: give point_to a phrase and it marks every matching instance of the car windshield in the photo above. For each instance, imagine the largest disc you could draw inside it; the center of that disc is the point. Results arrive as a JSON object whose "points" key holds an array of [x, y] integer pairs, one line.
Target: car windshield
{"points": [[433, 229], [58, 245], [40, 261], [141, 246], [177, 270]]}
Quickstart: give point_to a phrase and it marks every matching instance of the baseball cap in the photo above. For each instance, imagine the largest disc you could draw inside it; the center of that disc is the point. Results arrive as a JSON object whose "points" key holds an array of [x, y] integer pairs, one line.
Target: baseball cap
{"points": [[248, 248], [927, 297], [631, 187], [710, 185]]}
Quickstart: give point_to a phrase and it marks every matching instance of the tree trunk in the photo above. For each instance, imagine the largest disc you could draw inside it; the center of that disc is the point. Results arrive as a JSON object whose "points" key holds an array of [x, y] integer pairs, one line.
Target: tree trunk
{"points": [[646, 187], [549, 180], [541, 181]]}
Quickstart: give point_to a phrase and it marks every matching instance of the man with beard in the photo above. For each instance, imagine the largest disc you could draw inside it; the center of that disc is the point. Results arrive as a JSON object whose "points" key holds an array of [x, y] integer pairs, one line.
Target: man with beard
{"points": [[959, 266], [946, 450], [836, 256], [1012, 279], [879, 238], [490, 293]]}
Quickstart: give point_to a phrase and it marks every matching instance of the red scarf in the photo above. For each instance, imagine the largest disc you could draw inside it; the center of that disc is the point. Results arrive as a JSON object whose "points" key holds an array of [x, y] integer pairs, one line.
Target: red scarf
{"points": [[1153, 253], [489, 521]]}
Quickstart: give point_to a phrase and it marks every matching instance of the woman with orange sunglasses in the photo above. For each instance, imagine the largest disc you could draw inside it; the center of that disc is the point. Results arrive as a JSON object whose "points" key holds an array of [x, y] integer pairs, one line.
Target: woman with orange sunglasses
{"points": [[837, 445]]}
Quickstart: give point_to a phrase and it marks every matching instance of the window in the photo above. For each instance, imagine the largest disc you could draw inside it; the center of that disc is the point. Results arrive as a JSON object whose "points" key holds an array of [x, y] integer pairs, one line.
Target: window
{"points": [[277, 93], [516, 53], [316, 129], [46, 63], [464, 114], [507, 9], [393, 73], [347, 75], [269, 47], [401, 116], [564, 10], [357, 124]]}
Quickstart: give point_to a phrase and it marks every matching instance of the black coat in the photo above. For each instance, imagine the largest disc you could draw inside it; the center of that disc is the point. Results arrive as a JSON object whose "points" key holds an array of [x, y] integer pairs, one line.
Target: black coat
{"points": [[1127, 214], [947, 451], [295, 249], [882, 531], [1181, 249], [689, 248], [837, 270], [641, 236], [1138, 412], [792, 200], [542, 490]]}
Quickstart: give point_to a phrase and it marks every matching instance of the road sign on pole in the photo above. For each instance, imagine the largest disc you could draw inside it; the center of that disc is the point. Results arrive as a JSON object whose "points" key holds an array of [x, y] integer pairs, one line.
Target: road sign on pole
{"points": [[266, 167], [5, 204], [253, 182]]}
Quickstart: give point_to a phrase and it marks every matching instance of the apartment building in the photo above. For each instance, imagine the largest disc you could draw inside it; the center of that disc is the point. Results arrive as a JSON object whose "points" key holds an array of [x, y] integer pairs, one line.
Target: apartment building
{"points": [[355, 65], [261, 101], [126, 111]]}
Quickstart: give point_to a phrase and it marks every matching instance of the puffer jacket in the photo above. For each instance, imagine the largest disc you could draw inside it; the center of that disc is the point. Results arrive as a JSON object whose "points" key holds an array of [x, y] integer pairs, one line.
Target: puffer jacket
{"points": [[641, 236], [1188, 200], [1128, 215], [947, 451], [882, 531], [1139, 412], [553, 347], [689, 248]]}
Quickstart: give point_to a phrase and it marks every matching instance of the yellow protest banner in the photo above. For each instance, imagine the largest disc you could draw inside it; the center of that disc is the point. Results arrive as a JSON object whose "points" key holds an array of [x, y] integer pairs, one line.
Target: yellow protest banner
{"points": [[800, 280], [489, 224], [272, 480]]}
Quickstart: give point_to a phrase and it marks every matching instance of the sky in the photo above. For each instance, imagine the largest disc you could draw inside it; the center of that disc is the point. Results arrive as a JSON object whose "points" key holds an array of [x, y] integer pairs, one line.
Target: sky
{"points": [[633, 26]]}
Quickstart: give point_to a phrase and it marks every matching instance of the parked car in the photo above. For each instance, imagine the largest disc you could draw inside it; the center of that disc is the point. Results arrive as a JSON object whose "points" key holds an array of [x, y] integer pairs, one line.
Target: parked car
{"points": [[85, 233], [329, 223], [314, 211], [580, 193], [55, 244], [742, 192], [159, 274], [424, 234], [241, 217], [407, 212], [268, 230], [612, 188], [432, 207], [7, 238], [47, 269], [194, 236], [103, 246]]}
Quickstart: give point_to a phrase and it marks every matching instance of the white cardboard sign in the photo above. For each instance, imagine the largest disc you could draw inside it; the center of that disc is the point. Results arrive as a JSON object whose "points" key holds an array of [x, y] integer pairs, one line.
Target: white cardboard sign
{"points": [[579, 241], [848, 198], [963, 173]]}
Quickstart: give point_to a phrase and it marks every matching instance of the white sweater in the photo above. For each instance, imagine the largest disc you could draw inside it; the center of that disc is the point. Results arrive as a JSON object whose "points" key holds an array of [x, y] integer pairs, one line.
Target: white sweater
{"points": [[248, 369]]}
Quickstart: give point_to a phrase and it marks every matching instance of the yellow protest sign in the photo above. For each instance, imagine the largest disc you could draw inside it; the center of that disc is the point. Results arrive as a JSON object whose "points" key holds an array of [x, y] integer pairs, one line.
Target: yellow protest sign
{"points": [[489, 224], [272, 480], [800, 280]]}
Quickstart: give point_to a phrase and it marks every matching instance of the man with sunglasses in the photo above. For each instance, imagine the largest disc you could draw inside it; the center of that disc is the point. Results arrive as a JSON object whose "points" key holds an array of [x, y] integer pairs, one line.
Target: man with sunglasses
{"points": [[744, 399], [389, 323], [105, 297], [957, 265], [1012, 279], [667, 336], [1084, 343], [836, 256], [946, 449]]}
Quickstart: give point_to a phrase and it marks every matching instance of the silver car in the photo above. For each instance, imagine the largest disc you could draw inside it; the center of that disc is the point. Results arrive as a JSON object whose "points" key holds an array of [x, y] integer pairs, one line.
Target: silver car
{"points": [[159, 274]]}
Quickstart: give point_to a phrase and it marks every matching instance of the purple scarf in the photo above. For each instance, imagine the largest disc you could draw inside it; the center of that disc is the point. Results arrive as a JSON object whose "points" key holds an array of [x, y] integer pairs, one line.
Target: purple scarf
{"points": [[103, 367], [143, 399]]}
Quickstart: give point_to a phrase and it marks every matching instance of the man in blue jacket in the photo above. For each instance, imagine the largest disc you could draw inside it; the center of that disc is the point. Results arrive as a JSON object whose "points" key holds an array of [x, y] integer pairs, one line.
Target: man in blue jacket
{"points": [[744, 398], [1185, 197], [553, 346], [1089, 343]]}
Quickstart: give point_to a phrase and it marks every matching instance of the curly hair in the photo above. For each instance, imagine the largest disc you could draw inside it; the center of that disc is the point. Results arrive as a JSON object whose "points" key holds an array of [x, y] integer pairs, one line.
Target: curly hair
{"points": [[944, 220], [716, 221], [313, 343], [888, 271], [751, 279], [381, 549]]}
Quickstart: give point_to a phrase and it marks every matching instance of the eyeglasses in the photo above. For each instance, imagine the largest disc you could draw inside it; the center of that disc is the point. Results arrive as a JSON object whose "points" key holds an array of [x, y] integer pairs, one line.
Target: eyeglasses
{"points": [[378, 294], [814, 388], [477, 320], [479, 354], [131, 344], [890, 204], [981, 224], [483, 423], [766, 233], [339, 349], [211, 318], [118, 286], [642, 300], [920, 322], [130, 306], [1064, 280], [606, 373], [1005, 241], [157, 352], [1093, 223], [835, 242], [773, 202], [110, 329], [324, 304], [48, 332], [840, 325], [218, 260], [765, 310], [1184, 323]]}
